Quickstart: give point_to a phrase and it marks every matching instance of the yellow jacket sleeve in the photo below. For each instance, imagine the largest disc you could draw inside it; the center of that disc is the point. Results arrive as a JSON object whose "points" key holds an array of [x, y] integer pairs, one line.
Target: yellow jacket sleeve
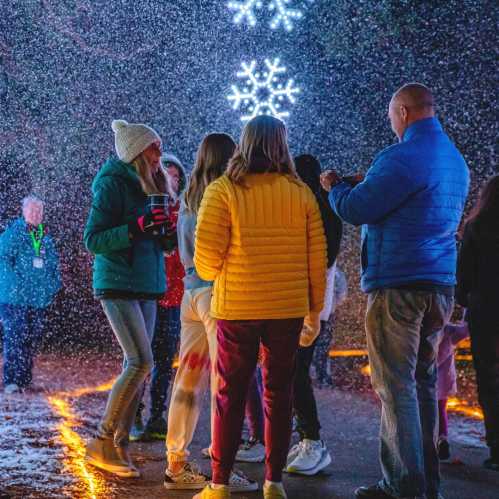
{"points": [[317, 260], [212, 231]]}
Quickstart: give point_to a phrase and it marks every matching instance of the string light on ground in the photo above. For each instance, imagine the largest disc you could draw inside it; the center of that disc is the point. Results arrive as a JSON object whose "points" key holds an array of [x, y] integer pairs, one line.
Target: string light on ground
{"points": [[75, 455], [263, 94]]}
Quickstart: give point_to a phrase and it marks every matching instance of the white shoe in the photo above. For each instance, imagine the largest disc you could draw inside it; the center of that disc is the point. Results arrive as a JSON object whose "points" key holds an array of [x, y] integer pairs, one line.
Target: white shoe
{"points": [[312, 457], [251, 451], [293, 452], [12, 388], [189, 478], [238, 482]]}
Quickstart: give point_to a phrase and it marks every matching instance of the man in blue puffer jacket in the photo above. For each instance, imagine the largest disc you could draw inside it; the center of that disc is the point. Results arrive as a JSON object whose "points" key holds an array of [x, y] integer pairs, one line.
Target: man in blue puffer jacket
{"points": [[29, 280], [410, 204]]}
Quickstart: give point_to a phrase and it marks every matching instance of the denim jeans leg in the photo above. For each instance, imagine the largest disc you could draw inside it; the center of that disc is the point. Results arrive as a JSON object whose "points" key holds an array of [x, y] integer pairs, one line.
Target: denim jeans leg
{"points": [[132, 322], [35, 321], [437, 315], [164, 348], [148, 309], [15, 331], [393, 324]]}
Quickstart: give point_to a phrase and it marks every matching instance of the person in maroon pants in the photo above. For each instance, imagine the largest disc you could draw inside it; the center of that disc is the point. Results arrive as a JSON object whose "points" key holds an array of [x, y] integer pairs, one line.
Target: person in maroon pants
{"points": [[260, 238]]}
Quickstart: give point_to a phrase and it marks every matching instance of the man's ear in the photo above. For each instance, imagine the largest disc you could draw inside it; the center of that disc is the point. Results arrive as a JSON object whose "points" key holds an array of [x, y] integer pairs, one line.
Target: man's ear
{"points": [[404, 113]]}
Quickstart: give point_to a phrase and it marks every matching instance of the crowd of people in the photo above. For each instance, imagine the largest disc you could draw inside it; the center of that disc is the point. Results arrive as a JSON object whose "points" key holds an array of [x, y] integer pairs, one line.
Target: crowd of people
{"points": [[234, 266]]}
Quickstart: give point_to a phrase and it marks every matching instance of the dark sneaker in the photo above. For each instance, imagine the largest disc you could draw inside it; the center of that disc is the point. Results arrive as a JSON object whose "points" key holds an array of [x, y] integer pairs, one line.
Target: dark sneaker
{"points": [[443, 449], [189, 478], [491, 464], [375, 492], [102, 453], [156, 429]]}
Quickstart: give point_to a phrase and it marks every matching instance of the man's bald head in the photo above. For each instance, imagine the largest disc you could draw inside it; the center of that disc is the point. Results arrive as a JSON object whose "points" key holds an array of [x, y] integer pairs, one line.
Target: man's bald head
{"points": [[410, 103]]}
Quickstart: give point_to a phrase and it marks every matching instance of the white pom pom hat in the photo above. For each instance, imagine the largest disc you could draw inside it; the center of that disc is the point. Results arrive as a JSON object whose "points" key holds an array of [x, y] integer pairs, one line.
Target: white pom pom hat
{"points": [[130, 139]]}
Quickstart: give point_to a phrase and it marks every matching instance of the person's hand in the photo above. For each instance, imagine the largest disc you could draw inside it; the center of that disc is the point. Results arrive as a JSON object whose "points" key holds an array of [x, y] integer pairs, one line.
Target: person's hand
{"points": [[149, 223], [329, 179], [310, 330], [353, 180]]}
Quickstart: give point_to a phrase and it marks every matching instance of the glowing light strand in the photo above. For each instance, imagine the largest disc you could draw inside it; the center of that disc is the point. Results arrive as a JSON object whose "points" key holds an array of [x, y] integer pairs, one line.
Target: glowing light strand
{"points": [[263, 94], [283, 15]]}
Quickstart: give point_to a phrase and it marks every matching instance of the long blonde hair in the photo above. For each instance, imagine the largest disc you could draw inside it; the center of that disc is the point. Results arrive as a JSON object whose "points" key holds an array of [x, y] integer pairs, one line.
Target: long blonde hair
{"points": [[263, 138], [152, 183], [212, 157]]}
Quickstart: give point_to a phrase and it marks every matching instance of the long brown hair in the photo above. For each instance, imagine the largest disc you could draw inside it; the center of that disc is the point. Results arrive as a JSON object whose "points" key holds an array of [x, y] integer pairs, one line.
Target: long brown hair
{"points": [[486, 208], [152, 183], [212, 157], [263, 138]]}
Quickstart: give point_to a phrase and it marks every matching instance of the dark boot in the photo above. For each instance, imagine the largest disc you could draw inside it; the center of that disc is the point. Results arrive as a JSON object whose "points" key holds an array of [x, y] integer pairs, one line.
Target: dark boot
{"points": [[374, 492], [492, 463]]}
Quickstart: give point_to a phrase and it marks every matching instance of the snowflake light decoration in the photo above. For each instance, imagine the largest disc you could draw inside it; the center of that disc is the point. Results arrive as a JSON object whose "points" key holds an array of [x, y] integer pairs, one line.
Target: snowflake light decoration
{"points": [[283, 15], [263, 93]]}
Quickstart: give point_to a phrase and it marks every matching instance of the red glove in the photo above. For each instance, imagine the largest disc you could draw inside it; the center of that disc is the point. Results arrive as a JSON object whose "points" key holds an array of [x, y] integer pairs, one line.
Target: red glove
{"points": [[148, 223]]}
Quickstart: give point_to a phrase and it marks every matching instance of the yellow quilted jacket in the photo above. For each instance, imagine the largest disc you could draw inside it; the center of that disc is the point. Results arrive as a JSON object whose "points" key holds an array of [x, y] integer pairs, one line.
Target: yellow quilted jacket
{"points": [[264, 246]]}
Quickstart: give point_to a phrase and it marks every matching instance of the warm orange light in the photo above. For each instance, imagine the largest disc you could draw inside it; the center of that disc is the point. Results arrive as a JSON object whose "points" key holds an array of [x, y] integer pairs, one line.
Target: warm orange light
{"points": [[366, 370], [348, 353], [462, 407], [464, 357], [74, 461]]}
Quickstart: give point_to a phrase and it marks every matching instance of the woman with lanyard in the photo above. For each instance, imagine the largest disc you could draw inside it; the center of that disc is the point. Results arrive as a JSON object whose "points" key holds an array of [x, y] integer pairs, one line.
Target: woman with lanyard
{"points": [[29, 280]]}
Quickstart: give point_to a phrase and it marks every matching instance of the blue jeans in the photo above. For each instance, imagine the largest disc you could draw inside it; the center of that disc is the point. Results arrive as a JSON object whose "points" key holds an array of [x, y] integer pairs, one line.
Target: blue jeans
{"points": [[132, 322], [22, 331], [402, 336], [164, 347]]}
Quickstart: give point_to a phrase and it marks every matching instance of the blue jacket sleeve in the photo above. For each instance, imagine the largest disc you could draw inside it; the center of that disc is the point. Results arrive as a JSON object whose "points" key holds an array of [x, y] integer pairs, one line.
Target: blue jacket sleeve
{"points": [[9, 245], [386, 187]]}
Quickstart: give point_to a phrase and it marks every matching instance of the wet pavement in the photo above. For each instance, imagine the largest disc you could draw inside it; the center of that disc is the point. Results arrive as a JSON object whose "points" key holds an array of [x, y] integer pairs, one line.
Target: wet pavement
{"points": [[43, 432]]}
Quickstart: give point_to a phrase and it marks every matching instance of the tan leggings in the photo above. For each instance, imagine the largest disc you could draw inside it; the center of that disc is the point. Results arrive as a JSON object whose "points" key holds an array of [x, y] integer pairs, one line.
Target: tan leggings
{"points": [[198, 348]]}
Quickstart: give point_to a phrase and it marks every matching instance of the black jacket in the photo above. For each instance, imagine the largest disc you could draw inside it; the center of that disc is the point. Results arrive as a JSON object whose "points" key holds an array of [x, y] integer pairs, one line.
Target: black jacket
{"points": [[478, 266]]}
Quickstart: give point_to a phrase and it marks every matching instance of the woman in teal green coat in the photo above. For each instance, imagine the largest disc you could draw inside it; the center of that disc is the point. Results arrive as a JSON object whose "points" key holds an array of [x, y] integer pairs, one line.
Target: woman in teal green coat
{"points": [[125, 235]]}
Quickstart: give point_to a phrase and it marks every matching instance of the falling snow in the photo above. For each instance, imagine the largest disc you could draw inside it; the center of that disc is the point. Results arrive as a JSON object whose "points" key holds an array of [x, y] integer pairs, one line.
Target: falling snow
{"points": [[68, 68]]}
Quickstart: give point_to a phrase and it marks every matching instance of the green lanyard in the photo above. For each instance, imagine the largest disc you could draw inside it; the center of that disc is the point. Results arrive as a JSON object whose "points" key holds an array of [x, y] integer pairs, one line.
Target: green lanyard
{"points": [[36, 238]]}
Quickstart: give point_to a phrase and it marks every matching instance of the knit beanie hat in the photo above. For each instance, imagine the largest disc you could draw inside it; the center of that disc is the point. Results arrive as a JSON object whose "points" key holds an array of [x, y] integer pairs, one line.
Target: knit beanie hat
{"points": [[130, 139]]}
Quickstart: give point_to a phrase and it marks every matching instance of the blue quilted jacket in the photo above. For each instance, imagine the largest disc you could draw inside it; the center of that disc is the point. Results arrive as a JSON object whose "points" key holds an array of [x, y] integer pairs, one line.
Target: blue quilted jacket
{"points": [[20, 283], [410, 205]]}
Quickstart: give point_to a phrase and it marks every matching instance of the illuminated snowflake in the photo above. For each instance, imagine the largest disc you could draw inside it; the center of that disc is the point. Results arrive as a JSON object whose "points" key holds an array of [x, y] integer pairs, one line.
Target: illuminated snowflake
{"points": [[263, 93], [283, 14]]}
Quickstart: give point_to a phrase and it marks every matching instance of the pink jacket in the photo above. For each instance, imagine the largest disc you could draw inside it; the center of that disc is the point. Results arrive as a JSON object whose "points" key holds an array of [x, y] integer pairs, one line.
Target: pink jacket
{"points": [[446, 367]]}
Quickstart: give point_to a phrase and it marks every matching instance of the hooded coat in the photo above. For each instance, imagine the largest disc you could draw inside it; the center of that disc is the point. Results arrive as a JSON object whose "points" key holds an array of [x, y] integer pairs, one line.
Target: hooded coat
{"points": [[134, 269], [174, 269]]}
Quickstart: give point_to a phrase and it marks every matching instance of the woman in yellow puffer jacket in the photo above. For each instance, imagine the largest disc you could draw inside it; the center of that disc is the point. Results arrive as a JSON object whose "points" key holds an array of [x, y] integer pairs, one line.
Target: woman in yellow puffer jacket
{"points": [[260, 238]]}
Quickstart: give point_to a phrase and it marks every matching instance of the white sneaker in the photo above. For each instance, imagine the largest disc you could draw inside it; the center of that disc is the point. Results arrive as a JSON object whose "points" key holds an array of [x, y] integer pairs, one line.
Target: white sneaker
{"points": [[189, 478], [251, 451], [293, 452], [238, 482], [312, 457], [12, 388]]}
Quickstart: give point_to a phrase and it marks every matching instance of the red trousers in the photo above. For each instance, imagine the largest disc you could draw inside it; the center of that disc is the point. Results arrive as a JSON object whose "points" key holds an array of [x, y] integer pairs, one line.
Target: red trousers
{"points": [[238, 345]]}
